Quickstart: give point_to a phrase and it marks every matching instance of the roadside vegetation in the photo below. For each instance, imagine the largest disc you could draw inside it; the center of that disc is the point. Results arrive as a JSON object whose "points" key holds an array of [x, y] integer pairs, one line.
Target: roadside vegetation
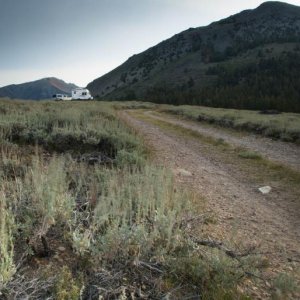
{"points": [[84, 214], [283, 126]]}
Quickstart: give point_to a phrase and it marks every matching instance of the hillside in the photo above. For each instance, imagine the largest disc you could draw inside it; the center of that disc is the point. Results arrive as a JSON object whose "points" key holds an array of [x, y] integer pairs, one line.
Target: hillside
{"points": [[36, 90], [249, 60]]}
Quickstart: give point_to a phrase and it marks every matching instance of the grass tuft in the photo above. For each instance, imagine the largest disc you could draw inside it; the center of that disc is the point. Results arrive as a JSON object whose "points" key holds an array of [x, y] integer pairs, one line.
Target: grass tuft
{"points": [[249, 155]]}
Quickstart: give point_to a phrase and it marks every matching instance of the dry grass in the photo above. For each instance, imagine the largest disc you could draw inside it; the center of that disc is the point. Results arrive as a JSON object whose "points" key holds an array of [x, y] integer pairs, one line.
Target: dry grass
{"points": [[90, 215]]}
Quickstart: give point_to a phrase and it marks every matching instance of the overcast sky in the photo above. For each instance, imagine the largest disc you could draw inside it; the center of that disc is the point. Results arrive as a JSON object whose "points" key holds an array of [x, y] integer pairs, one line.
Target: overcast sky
{"points": [[80, 40]]}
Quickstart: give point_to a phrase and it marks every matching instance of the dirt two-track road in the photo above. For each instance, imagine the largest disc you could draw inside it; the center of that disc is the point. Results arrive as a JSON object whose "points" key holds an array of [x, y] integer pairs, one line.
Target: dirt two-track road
{"points": [[229, 184]]}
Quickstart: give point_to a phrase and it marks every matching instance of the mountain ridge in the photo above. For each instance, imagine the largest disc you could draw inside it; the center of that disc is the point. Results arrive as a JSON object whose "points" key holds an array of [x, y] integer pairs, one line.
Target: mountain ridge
{"points": [[185, 58], [40, 89]]}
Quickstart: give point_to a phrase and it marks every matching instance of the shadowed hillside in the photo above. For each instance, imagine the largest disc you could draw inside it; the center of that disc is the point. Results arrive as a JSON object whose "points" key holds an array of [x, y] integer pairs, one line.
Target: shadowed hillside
{"points": [[249, 60]]}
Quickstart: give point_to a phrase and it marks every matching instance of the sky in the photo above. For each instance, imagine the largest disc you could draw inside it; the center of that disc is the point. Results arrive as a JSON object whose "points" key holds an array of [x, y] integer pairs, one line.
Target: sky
{"points": [[81, 40]]}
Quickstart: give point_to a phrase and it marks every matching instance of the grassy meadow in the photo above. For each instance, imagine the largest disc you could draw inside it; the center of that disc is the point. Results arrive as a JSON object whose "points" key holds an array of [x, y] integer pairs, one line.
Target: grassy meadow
{"points": [[84, 214]]}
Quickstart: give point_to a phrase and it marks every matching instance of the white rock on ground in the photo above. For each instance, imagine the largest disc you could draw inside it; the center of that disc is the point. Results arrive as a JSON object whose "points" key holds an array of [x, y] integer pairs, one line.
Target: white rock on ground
{"points": [[265, 189], [184, 172]]}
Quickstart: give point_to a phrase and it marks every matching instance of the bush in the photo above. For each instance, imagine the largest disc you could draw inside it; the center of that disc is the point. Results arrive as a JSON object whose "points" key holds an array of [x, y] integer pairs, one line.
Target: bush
{"points": [[7, 266], [284, 285], [66, 288]]}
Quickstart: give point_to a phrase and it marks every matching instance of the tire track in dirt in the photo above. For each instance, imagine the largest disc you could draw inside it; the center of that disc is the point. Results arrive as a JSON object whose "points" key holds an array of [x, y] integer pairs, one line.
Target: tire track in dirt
{"points": [[281, 152], [243, 214]]}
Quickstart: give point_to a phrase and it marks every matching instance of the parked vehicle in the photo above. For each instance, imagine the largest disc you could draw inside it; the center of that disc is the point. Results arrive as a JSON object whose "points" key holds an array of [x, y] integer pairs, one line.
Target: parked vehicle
{"points": [[62, 97], [81, 94]]}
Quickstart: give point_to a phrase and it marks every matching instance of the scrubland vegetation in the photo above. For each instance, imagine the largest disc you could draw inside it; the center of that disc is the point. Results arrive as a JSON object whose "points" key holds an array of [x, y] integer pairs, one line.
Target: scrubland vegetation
{"points": [[284, 126], [260, 79], [84, 214]]}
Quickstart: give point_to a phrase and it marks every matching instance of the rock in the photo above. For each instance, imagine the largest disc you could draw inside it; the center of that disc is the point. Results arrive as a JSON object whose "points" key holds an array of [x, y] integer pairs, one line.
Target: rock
{"points": [[183, 172], [61, 248], [265, 189]]}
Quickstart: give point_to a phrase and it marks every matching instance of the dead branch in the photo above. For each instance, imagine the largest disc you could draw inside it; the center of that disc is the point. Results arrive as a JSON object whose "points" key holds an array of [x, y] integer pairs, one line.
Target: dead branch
{"points": [[220, 246], [201, 217], [147, 265], [254, 275], [23, 288], [293, 260]]}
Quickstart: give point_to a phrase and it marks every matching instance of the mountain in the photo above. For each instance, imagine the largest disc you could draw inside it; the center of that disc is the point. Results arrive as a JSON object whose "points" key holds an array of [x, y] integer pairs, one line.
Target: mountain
{"points": [[36, 90], [248, 60]]}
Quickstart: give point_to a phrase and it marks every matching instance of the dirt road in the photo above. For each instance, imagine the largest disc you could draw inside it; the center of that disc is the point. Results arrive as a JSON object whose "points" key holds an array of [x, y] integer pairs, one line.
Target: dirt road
{"points": [[277, 151], [244, 215]]}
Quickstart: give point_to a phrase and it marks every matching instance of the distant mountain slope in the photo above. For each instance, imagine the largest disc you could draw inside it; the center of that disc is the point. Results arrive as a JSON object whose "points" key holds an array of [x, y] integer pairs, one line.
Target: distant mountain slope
{"points": [[234, 62], [36, 90]]}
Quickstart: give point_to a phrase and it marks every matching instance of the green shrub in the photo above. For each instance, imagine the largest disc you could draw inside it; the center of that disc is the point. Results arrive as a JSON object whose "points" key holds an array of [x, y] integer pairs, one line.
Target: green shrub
{"points": [[136, 208], [213, 275], [47, 189], [7, 266], [283, 286], [67, 288], [126, 158]]}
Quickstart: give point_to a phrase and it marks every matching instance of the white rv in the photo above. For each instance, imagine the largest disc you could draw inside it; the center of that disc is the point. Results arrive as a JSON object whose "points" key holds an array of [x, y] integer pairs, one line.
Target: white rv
{"points": [[81, 94]]}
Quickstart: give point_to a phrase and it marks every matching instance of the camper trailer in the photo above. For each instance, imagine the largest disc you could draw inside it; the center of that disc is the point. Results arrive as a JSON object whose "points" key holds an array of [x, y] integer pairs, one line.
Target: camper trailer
{"points": [[81, 94]]}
